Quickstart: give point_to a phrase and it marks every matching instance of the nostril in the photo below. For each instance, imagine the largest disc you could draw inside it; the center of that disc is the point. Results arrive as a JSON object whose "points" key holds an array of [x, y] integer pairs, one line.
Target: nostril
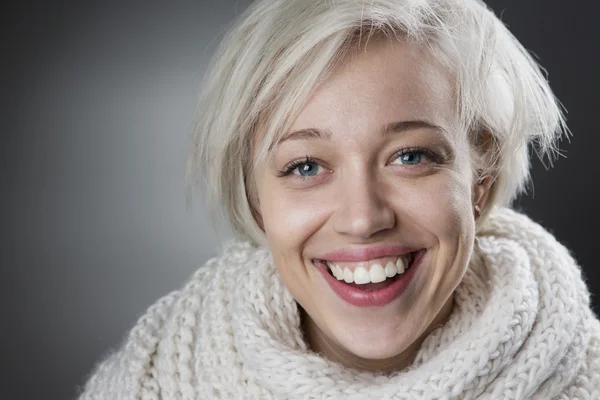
{"points": [[363, 216]]}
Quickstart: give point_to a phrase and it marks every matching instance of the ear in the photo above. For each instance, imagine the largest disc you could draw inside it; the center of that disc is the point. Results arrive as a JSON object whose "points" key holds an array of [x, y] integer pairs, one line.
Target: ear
{"points": [[481, 190]]}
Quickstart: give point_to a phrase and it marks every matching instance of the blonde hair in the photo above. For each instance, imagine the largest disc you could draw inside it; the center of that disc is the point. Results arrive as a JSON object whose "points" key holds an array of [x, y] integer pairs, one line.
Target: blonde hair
{"points": [[278, 52]]}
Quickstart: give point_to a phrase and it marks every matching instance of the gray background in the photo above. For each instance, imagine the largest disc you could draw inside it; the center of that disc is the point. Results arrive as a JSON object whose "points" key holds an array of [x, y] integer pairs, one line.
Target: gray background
{"points": [[97, 100]]}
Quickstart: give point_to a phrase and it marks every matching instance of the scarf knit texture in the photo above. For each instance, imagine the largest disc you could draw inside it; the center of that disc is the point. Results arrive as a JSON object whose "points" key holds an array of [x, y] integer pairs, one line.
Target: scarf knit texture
{"points": [[521, 328]]}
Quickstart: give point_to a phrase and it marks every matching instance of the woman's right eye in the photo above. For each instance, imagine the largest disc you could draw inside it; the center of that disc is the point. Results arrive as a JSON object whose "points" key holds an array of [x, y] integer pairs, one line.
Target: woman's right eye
{"points": [[307, 169], [304, 168]]}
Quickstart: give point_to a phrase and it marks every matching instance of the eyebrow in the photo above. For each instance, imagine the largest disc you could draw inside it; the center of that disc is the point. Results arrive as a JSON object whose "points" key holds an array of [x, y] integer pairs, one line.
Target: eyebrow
{"points": [[403, 126], [393, 127]]}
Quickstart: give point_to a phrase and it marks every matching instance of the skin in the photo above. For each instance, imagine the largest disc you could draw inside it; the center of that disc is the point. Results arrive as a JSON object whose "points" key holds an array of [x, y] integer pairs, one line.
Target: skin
{"points": [[360, 193]]}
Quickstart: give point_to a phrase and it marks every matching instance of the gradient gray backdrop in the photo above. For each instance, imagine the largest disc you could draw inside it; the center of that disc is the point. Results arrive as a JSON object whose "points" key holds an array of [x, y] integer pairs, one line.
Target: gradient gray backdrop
{"points": [[97, 100]]}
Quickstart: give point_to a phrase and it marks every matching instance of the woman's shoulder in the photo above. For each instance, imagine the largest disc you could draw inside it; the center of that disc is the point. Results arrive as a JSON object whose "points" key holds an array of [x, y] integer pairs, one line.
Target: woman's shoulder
{"points": [[586, 383], [134, 369], [128, 370], [540, 243], [593, 356]]}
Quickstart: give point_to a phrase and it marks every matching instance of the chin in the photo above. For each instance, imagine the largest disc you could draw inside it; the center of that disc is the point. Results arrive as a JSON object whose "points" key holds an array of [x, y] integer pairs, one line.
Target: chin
{"points": [[375, 343], [378, 351]]}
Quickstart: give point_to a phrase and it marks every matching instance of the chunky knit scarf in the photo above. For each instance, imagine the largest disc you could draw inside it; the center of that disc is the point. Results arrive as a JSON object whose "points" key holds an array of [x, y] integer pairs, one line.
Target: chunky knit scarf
{"points": [[521, 328]]}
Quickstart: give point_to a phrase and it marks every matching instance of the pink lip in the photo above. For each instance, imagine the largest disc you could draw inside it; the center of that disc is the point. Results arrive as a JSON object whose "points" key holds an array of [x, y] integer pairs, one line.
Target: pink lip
{"points": [[378, 298], [366, 253]]}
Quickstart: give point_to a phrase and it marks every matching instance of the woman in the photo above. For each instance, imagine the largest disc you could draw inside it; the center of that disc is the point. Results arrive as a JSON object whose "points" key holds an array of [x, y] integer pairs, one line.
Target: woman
{"points": [[366, 152]]}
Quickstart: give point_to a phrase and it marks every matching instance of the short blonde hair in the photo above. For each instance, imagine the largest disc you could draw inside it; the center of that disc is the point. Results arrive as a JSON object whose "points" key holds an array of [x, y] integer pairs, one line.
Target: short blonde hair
{"points": [[278, 52]]}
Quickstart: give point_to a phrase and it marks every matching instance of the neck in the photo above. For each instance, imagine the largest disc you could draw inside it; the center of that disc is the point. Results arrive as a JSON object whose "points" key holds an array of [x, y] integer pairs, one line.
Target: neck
{"points": [[319, 343]]}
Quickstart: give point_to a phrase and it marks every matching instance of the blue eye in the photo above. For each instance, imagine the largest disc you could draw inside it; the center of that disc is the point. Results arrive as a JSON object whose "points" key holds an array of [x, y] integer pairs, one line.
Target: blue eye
{"points": [[304, 168], [410, 158], [307, 169]]}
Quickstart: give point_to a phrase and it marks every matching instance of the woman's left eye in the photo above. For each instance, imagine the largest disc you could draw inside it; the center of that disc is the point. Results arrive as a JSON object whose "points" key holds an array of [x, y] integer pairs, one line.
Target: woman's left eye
{"points": [[410, 157]]}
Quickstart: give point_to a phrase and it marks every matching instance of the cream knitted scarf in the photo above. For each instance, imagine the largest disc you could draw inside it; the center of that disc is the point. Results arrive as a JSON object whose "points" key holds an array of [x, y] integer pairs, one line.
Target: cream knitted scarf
{"points": [[521, 328]]}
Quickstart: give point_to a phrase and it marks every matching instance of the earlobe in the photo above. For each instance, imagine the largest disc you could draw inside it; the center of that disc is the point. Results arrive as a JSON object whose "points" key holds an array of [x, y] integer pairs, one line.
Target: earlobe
{"points": [[480, 194], [484, 145]]}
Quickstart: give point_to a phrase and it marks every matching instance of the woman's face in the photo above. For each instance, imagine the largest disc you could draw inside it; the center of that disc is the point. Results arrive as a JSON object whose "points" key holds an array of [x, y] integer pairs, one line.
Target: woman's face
{"points": [[374, 170]]}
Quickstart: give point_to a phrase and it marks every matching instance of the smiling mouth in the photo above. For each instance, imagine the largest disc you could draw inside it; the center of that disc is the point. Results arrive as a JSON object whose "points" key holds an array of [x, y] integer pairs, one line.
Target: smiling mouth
{"points": [[374, 274]]}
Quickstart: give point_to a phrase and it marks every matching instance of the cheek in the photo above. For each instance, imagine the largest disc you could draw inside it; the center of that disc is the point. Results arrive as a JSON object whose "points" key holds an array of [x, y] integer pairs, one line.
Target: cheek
{"points": [[440, 209], [441, 206], [290, 218]]}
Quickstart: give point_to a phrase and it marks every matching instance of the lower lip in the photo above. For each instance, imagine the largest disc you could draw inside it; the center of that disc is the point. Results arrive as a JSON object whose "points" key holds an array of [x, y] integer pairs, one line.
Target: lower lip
{"points": [[378, 298]]}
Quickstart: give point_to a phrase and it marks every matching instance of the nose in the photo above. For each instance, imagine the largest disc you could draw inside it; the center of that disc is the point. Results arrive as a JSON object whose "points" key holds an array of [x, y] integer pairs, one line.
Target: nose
{"points": [[364, 210]]}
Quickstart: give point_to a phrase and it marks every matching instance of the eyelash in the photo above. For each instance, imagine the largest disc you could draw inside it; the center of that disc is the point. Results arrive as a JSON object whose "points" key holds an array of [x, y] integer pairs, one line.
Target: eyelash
{"points": [[289, 168], [429, 154]]}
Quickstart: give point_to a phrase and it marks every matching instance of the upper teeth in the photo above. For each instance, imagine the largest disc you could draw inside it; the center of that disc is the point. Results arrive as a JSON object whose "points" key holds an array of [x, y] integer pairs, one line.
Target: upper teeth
{"points": [[376, 272]]}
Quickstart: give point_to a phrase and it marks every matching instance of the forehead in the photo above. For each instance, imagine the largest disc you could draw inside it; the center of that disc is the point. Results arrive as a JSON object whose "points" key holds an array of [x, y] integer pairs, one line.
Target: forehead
{"points": [[385, 82]]}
